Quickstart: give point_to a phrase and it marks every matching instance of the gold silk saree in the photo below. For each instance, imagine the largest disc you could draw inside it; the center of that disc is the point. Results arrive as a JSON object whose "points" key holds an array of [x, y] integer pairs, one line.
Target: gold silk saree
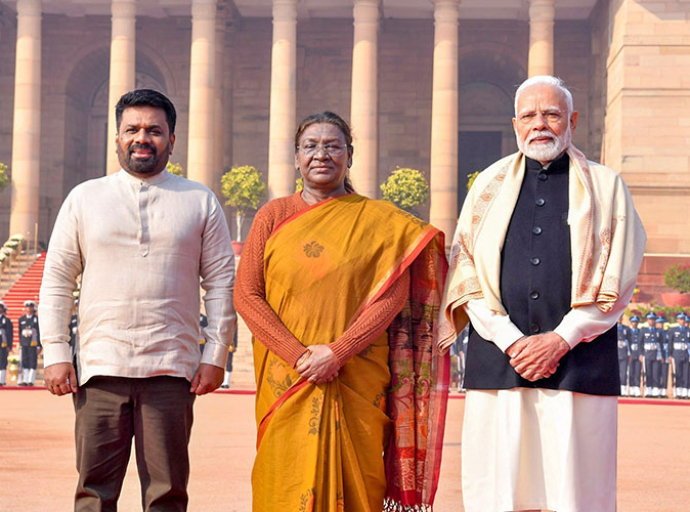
{"points": [[371, 439]]}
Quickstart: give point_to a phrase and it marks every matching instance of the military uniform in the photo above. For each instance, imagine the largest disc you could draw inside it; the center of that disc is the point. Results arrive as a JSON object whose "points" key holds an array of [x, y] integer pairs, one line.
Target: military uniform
{"points": [[203, 324], [30, 342], [227, 377], [636, 352], [6, 336], [665, 355], [679, 348], [73, 333], [653, 354], [623, 356]]}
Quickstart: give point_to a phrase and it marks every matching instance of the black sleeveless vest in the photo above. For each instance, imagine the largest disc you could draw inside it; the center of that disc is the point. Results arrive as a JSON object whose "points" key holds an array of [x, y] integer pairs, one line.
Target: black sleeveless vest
{"points": [[536, 286]]}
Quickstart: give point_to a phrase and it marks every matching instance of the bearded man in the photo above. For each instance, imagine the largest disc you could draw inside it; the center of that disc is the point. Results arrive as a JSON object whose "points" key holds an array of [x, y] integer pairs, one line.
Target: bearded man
{"points": [[141, 239], [544, 261]]}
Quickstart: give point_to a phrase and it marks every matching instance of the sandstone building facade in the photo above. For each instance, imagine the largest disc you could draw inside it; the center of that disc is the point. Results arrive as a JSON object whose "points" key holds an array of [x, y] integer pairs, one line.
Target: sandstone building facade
{"points": [[426, 84]]}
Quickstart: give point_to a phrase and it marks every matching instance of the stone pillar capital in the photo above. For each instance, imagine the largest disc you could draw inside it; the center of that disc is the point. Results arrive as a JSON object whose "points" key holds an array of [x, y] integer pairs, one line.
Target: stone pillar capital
{"points": [[446, 11], [204, 10], [366, 10], [284, 10], [26, 8], [123, 9], [542, 10]]}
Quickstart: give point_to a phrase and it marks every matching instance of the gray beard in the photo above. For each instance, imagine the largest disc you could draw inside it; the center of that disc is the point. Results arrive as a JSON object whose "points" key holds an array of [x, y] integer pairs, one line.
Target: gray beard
{"points": [[546, 152]]}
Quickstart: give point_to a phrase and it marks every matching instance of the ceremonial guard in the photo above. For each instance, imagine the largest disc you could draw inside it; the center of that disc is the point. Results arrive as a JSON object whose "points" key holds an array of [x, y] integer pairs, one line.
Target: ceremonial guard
{"points": [[227, 377], [679, 345], [653, 354], [623, 355], [665, 356], [6, 335], [73, 332], [203, 324], [636, 355], [30, 342]]}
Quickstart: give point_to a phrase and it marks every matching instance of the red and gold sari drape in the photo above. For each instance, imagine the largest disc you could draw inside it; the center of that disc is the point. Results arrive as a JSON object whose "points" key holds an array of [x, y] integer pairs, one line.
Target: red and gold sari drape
{"points": [[371, 439]]}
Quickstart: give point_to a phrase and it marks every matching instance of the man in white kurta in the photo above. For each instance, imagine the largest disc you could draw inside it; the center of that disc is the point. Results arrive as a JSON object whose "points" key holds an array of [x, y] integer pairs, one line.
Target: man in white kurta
{"points": [[544, 261], [142, 240]]}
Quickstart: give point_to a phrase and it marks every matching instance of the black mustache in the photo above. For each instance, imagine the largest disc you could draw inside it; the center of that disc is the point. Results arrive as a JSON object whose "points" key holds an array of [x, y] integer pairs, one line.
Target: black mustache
{"points": [[151, 148]]}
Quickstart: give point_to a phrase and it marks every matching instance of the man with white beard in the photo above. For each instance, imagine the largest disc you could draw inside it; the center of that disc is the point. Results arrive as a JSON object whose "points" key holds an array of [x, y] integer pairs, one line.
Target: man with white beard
{"points": [[544, 261]]}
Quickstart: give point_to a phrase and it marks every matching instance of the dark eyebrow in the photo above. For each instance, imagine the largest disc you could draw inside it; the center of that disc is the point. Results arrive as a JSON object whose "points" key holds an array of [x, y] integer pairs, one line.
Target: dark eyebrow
{"points": [[146, 127]]}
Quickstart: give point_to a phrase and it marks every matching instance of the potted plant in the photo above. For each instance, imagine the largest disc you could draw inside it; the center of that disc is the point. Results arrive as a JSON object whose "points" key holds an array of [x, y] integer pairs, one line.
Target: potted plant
{"points": [[677, 277], [406, 188], [12, 368], [243, 188], [471, 178], [175, 169], [4, 178]]}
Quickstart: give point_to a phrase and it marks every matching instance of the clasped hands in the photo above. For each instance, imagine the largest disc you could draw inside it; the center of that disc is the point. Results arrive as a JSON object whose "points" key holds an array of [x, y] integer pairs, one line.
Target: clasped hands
{"points": [[537, 357], [318, 364]]}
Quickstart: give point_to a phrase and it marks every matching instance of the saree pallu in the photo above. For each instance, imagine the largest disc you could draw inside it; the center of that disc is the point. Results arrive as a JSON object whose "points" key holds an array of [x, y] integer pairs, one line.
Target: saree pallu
{"points": [[320, 448]]}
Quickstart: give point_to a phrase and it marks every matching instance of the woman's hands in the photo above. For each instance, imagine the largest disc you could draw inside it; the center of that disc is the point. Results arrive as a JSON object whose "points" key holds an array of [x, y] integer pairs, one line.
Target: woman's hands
{"points": [[318, 365]]}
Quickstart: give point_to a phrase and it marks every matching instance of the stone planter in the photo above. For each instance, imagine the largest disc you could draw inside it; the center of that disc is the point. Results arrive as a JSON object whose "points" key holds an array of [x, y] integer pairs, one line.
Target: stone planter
{"points": [[674, 299], [237, 248], [12, 373]]}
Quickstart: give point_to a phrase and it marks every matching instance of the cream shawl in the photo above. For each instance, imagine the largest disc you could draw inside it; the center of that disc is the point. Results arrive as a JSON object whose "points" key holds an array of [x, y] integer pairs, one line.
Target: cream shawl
{"points": [[607, 238]]}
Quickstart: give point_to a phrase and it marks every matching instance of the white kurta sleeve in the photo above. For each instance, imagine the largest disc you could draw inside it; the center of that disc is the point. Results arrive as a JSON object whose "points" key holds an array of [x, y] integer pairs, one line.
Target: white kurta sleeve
{"points": [[587, 322], [492, 326], [63, 266]]}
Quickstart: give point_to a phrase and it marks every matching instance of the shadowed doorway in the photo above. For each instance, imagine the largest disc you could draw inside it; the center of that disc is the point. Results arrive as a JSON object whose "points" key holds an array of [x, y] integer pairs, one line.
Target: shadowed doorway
{"points": [[476, 151]]}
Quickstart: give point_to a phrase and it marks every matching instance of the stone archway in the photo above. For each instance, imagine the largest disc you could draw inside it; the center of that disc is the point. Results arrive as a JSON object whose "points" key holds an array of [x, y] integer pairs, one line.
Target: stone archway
{"points": [[488, 77], [86, 113]]}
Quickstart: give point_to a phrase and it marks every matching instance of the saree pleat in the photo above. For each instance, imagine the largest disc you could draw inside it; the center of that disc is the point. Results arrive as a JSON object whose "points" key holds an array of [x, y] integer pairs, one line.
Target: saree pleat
{"points": [[320, 447]]}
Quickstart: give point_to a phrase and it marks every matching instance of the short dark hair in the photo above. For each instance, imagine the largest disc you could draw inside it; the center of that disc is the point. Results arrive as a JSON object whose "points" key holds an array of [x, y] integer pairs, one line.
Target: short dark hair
{"points": [[146, 98], [330, 118]]}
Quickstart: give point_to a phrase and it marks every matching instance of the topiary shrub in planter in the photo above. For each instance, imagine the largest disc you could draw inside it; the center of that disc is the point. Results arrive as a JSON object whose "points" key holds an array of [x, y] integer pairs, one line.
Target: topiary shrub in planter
{"points": [[244, 188], [406, 188], [677, 277]]}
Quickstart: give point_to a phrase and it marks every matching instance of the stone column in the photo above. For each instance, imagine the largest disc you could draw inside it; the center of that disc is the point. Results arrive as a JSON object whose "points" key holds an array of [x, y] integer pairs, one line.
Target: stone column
{"points": [[201, 157], [222, 109], [444, 119], [281, 146], [541, 18], [26, 130], [364, 100], [122, 68]]}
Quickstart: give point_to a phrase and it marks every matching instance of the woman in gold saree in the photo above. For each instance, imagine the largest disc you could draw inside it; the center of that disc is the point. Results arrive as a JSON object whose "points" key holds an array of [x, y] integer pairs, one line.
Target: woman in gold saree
{"points": [[342, 295]]}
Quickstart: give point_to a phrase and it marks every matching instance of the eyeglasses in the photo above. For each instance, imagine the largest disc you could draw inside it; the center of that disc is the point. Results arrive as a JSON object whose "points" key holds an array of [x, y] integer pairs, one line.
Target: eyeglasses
{"points": [[551, 116], [333, 149]]}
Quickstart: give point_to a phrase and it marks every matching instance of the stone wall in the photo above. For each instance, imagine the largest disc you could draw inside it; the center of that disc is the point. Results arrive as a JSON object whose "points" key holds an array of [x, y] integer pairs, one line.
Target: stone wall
{"points": [[648, 114], [628, 66]]}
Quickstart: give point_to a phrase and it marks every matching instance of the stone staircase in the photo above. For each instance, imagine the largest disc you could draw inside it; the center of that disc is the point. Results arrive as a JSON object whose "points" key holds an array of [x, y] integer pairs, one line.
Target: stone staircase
{"points": [[21, 282]]}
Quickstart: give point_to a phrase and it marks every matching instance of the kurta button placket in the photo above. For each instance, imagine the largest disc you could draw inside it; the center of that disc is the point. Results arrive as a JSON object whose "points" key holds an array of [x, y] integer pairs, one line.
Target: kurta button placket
{"points": [[540, 202], [144, 234], [543, 176], [537, 230]]}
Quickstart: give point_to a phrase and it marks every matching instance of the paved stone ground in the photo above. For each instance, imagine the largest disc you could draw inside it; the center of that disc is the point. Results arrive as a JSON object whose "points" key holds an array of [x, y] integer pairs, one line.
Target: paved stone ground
{"points": [[37, 455]]}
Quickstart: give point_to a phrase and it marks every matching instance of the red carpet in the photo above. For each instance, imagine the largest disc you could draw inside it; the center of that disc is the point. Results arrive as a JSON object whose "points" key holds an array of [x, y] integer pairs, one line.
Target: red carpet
{"points": [[26, 288]]}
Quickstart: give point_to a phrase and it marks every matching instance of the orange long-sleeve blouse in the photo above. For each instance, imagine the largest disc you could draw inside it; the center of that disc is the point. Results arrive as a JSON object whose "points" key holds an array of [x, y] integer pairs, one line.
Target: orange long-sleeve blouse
{"points": [[264, 323]]}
